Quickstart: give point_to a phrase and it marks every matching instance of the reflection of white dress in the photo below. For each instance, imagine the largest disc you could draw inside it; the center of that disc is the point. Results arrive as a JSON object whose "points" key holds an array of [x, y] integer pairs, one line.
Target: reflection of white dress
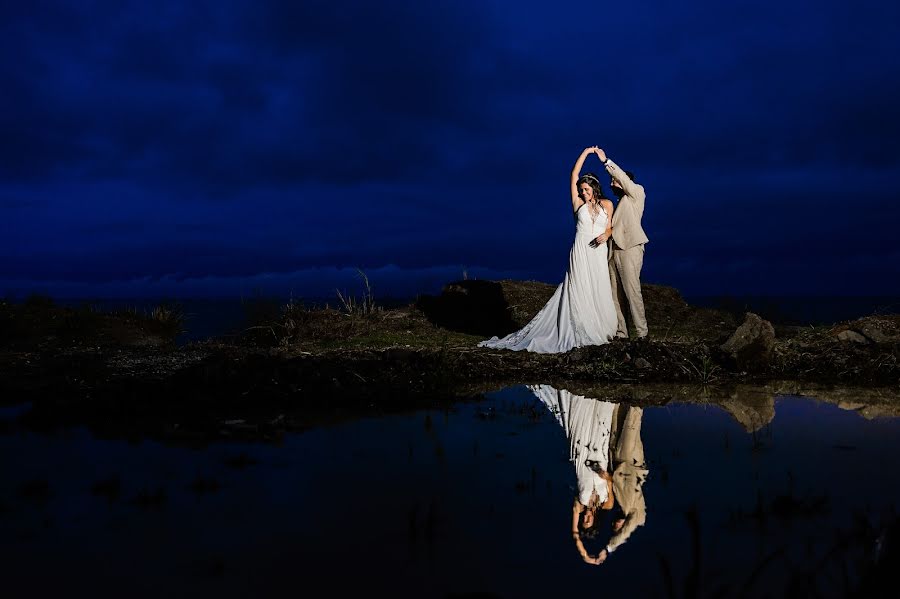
{"points": [[581, 311], [587, 423]]}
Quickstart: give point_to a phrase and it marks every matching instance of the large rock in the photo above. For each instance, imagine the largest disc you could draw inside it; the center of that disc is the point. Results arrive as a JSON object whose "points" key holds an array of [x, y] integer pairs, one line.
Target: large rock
{"points": [[852, 337], [880, 329], [752, 344], [474, 307]]}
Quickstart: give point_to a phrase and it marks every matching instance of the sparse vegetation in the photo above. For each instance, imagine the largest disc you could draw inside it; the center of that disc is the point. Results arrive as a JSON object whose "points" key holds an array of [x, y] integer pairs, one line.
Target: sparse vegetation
{"points": [[704, 370], [426, 347], [363, 306], [168, 315]]}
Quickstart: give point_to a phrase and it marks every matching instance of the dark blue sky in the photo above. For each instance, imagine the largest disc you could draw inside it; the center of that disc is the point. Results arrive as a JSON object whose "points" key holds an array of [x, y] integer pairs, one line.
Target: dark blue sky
{"points": [[203, 148]]}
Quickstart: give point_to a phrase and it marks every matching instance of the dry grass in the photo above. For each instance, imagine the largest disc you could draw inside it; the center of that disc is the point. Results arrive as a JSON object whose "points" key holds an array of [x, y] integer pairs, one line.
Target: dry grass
{"points": [[363, 306], [301, 328], [362, 324]]}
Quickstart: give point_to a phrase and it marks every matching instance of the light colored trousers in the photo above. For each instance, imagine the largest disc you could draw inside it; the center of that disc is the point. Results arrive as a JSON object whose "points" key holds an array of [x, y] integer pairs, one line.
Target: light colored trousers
{"points": [[629, 447], [625, 275]]}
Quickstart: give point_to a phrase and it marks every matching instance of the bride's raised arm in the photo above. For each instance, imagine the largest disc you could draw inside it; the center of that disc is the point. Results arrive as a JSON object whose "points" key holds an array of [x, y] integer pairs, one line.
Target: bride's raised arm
{"points": [[576, 172]]}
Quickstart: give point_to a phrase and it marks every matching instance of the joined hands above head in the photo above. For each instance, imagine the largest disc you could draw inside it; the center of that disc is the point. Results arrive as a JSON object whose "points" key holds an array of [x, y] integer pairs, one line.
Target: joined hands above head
{"points": [[595, 150], [595, 561], [585, 556]]}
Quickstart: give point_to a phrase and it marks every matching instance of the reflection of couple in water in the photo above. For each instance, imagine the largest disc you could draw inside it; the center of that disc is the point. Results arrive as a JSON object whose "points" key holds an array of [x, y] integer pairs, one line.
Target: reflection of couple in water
{"points": [[606, 449]]}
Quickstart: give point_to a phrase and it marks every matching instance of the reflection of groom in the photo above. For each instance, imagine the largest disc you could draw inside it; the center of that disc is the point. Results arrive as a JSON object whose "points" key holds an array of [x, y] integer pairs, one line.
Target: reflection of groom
{"points": [[626, 256], [629, 472]]}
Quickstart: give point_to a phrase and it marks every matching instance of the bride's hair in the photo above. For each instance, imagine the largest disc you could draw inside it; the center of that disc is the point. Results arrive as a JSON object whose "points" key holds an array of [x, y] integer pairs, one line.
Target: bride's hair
{"points": [[592, 532], [592, 180]]}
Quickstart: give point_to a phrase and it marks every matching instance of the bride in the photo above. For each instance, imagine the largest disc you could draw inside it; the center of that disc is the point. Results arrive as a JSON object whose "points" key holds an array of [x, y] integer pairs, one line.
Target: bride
{"points": [[581, 311], [588, 427]]}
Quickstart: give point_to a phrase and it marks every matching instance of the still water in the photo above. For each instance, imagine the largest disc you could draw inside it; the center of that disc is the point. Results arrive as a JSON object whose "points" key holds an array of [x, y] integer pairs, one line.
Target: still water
{"points": [[476, 498]]}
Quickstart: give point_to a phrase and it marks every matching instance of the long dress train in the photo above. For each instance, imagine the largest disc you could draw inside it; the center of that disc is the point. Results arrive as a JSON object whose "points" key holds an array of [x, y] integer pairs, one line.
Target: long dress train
{"points": [[587, 423], [581, 311]]}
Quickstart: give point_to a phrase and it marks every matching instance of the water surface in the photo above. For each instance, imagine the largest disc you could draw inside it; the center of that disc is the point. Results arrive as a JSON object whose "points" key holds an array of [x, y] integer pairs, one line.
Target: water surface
{"points": [[473, 498]]}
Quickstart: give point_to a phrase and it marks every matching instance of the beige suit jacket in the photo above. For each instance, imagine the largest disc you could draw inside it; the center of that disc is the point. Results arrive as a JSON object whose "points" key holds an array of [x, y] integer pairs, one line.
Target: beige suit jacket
{"points": [[626, 223]]}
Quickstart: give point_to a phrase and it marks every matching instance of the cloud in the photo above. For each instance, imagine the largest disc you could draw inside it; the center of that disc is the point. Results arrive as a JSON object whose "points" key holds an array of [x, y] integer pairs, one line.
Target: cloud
{"points": [[229, 139]]}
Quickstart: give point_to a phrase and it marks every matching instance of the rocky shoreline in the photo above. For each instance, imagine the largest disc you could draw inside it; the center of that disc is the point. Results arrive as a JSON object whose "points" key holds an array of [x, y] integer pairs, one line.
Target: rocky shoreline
{"points": [[119, 371]]}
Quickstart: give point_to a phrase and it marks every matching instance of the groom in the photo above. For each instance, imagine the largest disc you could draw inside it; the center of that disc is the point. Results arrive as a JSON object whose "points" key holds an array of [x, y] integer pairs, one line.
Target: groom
{"points": [[626, 256], [629, 473]]}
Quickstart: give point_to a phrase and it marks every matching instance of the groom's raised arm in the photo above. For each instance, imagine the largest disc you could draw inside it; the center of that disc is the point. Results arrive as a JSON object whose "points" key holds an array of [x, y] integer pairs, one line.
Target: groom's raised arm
{"points": [[631, 188], [632, 521]]}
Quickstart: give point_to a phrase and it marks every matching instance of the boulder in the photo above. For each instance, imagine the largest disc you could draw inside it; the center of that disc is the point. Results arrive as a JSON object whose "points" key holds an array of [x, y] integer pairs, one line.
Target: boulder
{"points": [[473, 307], [852, 337], [879, 329], [641, 364], [752, 345]]}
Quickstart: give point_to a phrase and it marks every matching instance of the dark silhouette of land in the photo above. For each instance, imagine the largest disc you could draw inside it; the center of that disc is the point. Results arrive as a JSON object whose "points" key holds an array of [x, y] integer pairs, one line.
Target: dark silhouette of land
{"points": [[122, 370]]}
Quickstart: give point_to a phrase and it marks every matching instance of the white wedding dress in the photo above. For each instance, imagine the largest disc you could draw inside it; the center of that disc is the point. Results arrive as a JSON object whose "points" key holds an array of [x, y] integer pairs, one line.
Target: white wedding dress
{"points": [[581, 311], [588, 424]]}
